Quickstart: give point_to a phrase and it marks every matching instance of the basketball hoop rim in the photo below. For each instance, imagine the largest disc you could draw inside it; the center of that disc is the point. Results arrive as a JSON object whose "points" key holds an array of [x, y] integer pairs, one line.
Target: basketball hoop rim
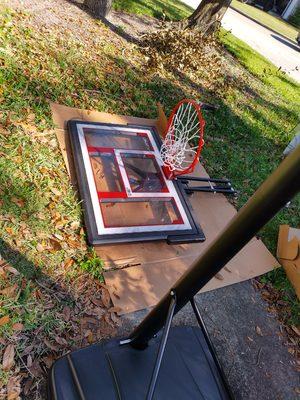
{"points": [[171, 174]]}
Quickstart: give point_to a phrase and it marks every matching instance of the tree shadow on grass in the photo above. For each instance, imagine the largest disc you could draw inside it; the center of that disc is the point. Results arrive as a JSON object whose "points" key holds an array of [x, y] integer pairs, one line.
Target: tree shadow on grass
{"points": [[18, 261], [115, 29], [163, 8]]}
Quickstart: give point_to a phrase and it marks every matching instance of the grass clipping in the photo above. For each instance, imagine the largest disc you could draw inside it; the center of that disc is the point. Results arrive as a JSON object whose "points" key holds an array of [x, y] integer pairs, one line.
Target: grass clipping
{"points": [[188, 53]]}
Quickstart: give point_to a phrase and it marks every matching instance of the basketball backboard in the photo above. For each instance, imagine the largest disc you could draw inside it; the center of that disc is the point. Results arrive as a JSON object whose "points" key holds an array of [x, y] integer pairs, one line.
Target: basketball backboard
{"points": [[125, 193]]}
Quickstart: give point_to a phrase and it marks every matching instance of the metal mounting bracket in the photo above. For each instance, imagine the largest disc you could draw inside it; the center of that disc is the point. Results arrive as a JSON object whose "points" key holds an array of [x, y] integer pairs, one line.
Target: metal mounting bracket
{"points": [[214, 185]]}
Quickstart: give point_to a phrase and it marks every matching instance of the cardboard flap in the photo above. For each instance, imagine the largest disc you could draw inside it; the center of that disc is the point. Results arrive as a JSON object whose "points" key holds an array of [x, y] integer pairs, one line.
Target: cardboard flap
{"points": [[293, 272], [288, 243]]}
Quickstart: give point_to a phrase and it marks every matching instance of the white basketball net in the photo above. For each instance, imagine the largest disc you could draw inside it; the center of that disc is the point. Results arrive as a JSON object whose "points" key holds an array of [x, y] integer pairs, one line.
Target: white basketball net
{"points": [[182, 139]]}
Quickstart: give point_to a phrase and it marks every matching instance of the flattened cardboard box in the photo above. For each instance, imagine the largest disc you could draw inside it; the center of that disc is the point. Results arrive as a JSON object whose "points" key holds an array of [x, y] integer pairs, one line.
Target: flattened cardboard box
{"points": [[140, 273], [288, 252]]}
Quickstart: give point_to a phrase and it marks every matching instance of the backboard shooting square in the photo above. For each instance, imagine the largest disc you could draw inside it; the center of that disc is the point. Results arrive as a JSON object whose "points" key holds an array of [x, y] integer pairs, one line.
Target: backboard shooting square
{"points": [[126, 196]]}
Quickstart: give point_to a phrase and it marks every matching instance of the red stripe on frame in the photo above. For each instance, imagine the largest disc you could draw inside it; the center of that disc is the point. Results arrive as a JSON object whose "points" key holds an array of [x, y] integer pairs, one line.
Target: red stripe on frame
{"points": [[112, 195]]}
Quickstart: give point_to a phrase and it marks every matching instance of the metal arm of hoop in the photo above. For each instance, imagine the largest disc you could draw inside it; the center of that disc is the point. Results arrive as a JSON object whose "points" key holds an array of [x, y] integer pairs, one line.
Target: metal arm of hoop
{"points": [[214, 185], [208, 107]]}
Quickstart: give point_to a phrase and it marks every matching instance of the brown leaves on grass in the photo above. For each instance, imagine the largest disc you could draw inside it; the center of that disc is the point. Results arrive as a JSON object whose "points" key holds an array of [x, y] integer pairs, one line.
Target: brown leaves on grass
{"points": [[10, 291], [290, 334], [187, 52]]}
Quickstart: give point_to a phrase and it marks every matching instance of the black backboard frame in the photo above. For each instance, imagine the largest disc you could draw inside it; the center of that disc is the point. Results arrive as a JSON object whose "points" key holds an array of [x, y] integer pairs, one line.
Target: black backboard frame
{"points": [[195, 234]]}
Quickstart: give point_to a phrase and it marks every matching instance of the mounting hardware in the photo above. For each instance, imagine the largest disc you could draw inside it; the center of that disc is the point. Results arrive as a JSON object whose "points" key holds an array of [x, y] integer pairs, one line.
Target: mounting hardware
{"points": [[214, 185]]}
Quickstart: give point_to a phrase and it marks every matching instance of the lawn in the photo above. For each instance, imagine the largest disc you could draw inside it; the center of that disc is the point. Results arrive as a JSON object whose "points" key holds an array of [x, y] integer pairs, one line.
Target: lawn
{"points": [[53, 292], [270, 21]]}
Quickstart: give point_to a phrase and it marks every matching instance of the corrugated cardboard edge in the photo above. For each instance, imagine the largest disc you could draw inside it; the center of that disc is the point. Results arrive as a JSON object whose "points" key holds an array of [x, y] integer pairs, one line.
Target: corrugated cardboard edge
{"points": [[288, 252], [287, 249], [138, 287]]}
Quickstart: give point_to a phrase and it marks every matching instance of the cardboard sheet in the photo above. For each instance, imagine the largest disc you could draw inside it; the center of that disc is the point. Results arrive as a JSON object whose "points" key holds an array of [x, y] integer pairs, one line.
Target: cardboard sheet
{"points": [[140, 273]]}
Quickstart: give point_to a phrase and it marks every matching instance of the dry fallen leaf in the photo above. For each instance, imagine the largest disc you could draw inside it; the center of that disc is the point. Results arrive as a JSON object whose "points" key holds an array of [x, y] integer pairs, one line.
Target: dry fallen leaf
{"points": [[51, 346], [18, 326], [55, 244], [114, 318], [40, 247], [12, 270], [13, 388], [61, 341], [258, 331], [295, 329], [9, 230], [105, 297], [56, 192], [74, 225], [29, 361], [68, 263], [2, 273], [36, 369], [27, 386], [8, 357], [58, 236], [10, 291], [90, 337], [66, 313], [96, 302], [48, 360], [19, 202], [4, 320]]}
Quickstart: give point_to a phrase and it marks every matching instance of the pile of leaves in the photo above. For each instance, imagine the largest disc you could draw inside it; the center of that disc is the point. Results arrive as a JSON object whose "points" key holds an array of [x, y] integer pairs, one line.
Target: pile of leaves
{"points": [[189, 53], [283, 303], [43, 320]]}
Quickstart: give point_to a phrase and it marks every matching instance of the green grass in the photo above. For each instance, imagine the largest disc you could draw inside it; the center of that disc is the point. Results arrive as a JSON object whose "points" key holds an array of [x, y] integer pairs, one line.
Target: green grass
{"points": [[277, 24], [168, 9], [263, 69], [92, 264]]}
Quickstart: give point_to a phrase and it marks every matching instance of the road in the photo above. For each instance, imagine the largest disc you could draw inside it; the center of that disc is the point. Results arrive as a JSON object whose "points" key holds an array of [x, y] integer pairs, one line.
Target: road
{"points": [[280, 51]]}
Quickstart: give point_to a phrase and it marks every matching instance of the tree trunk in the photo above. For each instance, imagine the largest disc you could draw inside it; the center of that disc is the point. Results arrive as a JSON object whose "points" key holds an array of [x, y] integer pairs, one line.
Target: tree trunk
{"points": [[99, 8], [208, 15]]}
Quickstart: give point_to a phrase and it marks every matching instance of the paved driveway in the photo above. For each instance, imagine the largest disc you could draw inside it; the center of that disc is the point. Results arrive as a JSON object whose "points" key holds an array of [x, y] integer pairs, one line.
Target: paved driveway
{"points": [[278, 50]]}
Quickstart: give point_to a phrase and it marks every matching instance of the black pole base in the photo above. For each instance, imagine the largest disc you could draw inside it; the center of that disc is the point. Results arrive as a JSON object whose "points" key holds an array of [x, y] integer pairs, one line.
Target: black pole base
{"points": [[111, 372]]}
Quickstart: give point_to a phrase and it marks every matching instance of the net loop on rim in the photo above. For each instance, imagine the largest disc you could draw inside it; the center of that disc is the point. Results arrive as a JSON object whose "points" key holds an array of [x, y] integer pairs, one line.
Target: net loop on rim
{"points": [[183, 140]]}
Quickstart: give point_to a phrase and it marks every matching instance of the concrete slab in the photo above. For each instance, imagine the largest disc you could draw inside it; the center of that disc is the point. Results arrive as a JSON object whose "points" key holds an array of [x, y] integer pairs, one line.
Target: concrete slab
{"points": [[257, 367]]}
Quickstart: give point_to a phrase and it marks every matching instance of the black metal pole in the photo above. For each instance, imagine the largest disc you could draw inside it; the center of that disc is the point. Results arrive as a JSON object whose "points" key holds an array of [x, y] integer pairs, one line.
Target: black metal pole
{"points": [[272, 195], [162, 346], [210, 346]]}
